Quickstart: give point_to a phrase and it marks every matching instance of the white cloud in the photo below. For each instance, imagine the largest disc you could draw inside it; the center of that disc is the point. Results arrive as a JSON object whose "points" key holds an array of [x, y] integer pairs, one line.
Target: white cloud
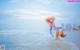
{"points": [[32, 12], [44, 1], [60, 18], [15, 1], [36, 1], [37, 14]]}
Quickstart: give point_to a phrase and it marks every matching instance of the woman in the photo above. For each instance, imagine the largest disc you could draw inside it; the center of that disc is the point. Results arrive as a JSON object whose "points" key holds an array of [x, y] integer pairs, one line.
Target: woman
{"points": [[50, 21]]}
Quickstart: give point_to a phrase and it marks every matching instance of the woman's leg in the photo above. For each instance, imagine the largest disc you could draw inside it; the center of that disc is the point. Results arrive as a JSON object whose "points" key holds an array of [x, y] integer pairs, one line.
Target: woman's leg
{"points": [[57, 35], [51, 32]]}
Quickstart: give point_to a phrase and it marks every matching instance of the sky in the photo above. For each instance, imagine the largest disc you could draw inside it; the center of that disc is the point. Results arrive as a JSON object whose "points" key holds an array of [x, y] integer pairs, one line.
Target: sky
{"points": [[31, 14]]}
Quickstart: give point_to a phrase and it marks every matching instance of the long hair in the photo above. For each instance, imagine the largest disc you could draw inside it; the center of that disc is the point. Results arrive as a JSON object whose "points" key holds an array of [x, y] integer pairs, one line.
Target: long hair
{"points": [[50, 18], [62, 33]]}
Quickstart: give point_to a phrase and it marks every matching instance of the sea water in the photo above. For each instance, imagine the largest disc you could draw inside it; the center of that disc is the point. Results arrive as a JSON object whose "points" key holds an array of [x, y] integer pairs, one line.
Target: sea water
{"points": [[38, 40]]}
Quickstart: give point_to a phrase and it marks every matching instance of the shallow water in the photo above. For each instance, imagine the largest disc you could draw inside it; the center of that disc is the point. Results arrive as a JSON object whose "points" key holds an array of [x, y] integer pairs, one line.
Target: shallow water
{"points": [[28, 40]]}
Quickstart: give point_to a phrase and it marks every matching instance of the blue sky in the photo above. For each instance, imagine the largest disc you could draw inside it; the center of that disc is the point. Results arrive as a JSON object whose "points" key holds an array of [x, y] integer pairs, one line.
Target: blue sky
{"points": [[25, 14]]}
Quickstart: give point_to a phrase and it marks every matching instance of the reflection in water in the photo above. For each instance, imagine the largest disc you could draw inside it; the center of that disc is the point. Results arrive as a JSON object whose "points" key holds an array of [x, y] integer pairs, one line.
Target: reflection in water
{"points": [[62, 45]]}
